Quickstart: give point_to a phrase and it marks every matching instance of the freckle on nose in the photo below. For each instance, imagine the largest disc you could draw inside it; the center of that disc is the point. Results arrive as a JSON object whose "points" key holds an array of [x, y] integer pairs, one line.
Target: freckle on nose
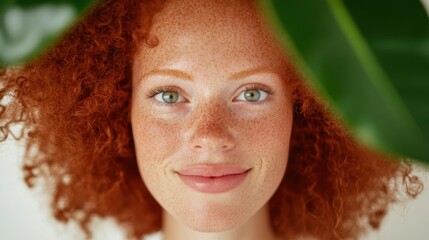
{"points": [[212, 119], [211, 128]]}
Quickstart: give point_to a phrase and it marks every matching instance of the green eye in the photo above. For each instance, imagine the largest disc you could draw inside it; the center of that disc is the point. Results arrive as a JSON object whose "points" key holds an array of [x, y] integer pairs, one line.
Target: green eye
{"points": [[252, 95], [168, 97]]}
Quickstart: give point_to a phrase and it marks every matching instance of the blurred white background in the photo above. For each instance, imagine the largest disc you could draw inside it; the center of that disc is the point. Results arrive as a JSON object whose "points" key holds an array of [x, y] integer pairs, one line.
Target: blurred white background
{"points": [[25, 213]]}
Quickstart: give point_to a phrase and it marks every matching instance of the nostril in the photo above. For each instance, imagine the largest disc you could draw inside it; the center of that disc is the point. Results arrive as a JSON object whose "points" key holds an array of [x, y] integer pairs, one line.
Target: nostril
{"points": [[211, 139], [211, 144]]}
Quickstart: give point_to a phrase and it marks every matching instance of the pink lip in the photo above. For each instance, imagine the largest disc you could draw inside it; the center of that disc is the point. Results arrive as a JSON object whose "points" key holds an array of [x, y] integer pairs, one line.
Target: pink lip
{"points": [[213, 179]]}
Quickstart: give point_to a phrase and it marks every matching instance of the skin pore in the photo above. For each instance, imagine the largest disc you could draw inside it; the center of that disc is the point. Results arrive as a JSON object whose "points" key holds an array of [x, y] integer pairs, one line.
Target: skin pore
{"points": [[211, 94]]}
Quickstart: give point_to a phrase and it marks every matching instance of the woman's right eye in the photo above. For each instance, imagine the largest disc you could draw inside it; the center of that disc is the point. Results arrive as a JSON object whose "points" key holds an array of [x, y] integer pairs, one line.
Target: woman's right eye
{"points": [[169, 97]]}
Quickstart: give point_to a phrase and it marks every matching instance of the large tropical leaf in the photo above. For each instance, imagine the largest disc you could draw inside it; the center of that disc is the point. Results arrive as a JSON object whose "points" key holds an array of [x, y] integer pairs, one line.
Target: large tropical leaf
{"points": [[370, 59], [28, 27]]}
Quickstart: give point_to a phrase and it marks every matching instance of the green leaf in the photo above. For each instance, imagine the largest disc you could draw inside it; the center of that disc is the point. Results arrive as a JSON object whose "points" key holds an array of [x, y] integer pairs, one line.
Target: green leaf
{"points": [[370, 60], [28, 27]]}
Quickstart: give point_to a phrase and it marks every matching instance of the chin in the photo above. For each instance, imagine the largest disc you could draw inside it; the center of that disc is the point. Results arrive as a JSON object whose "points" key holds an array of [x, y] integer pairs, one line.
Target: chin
{"points": [[214, 221], [213, 226]]}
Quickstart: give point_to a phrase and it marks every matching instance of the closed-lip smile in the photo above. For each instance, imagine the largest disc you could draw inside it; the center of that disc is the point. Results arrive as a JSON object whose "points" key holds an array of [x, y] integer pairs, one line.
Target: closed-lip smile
{"points": [[213, 178]]}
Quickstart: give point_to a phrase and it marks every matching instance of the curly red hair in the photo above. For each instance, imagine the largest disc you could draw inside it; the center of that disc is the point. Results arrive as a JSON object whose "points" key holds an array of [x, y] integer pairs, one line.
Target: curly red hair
{"points": [[74, 103]]}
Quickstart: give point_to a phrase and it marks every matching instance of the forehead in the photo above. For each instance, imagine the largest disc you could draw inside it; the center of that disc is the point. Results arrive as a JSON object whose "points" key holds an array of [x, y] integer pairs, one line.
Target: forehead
{"points": [[207, 18], [211, 30]]}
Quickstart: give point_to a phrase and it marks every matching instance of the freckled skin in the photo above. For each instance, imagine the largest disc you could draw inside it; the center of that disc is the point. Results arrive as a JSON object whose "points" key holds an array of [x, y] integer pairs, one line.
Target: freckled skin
{"points": [[211, 41]]}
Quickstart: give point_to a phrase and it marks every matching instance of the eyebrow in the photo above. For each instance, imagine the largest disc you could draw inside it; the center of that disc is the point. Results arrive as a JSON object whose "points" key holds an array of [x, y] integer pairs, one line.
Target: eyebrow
{"points": [[186, 76], [250, 72], [169, 72]]}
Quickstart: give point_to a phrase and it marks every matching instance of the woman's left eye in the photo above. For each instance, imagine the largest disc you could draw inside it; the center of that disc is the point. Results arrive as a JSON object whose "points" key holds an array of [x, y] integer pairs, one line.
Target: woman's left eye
{"points": [[252, 95]]}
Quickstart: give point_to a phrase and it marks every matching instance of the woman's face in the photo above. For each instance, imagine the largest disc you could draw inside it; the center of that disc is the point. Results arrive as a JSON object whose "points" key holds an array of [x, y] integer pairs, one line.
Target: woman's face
{"points": [[211, 113]]}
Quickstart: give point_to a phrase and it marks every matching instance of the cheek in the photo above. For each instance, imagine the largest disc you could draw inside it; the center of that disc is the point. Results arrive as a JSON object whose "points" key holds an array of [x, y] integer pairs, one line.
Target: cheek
{"points": [[155, 138], [269, 135], [278, 140], [268, 140], [154, 141]]}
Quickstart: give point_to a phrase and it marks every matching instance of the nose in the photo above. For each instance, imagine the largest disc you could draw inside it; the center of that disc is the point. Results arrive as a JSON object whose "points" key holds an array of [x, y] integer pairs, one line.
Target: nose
{"points": [[210, 129]]}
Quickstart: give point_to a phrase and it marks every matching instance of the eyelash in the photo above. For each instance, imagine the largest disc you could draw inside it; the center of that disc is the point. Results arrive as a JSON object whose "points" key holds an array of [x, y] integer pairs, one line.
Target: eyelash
{"points": [[255, 86], [156, 90], [260, 87]]}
